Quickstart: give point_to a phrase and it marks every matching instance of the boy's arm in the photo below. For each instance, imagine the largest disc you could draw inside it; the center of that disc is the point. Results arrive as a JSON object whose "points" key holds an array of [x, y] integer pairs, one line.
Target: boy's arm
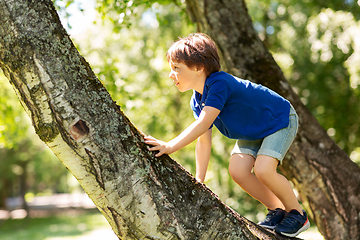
{"points": [[202, 152], [195, 130]]}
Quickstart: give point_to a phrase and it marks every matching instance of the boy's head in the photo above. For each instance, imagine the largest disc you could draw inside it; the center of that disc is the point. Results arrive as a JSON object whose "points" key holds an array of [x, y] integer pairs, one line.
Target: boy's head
{"points": [[195, 51]]}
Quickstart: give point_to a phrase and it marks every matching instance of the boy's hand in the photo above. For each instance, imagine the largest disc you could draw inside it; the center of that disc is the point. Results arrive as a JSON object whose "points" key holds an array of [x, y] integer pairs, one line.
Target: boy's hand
{"points": [[158, 145]]}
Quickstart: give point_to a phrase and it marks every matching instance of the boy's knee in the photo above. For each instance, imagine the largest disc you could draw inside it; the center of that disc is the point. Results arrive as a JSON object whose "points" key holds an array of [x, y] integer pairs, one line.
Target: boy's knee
{"points": [[265, 168], [240, 167], [237, 173], [262, 172]]}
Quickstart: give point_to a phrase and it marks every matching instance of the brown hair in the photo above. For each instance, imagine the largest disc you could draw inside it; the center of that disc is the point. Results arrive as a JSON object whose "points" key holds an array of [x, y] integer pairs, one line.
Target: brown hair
{"points": [[196, 50]]}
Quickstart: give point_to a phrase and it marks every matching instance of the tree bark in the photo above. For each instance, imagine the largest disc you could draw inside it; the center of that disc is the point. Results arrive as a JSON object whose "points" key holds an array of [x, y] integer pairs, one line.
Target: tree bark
{"points": [[325, 177], [142, 197]]}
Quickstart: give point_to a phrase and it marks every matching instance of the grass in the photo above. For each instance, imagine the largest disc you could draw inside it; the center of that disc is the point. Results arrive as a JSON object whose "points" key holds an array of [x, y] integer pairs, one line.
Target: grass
{"points": [[84, 226], [63, 226]]}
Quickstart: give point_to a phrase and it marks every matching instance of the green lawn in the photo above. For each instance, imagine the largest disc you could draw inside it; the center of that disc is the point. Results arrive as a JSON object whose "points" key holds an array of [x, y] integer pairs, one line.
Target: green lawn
{"points": [[64, 226], [86, 226]]}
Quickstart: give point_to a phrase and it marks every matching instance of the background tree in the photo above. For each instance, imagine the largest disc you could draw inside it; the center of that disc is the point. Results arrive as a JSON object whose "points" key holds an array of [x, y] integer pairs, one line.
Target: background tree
{"points": [[316, 46]]}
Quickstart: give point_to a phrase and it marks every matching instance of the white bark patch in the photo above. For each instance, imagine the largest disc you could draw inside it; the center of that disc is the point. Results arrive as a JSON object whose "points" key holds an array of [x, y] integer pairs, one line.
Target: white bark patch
{"points": [[32, 80], [55, 93], [41, 100], [138, 209], [74, 161]]}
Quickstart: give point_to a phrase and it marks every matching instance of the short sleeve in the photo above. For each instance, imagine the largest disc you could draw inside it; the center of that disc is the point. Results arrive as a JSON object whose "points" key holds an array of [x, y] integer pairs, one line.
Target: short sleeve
{"points": [[218, 94]]}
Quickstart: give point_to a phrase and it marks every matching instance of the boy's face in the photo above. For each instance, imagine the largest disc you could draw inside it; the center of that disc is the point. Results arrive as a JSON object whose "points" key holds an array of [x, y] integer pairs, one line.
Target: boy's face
{"points": [[184, 77]]}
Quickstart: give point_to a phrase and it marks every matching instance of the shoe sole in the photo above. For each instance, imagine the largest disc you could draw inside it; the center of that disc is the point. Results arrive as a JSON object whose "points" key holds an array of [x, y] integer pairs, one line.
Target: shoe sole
{"points": [[268, 227], [302, 229]]}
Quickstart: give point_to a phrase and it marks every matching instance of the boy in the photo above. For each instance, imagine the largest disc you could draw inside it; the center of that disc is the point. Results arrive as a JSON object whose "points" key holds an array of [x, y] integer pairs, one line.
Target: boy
{"points": [[263, 122]]}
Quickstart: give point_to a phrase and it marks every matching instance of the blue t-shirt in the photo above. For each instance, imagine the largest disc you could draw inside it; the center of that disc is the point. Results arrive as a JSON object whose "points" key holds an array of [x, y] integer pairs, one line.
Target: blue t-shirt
{"points": [[248, 111]]}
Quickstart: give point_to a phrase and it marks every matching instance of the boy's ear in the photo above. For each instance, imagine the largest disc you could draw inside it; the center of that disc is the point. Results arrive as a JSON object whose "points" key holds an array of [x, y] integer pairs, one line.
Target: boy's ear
{"points": [[199, 70]]}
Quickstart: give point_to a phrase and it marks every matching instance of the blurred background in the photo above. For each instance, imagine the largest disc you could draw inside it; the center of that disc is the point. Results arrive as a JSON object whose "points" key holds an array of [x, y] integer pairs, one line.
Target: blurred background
{"points": [[317, 45]]}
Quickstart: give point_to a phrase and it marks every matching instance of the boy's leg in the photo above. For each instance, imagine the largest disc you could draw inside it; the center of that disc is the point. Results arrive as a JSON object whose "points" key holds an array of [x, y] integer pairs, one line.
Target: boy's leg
{"points": [[295, 220], [265, 170], [240, 169]]}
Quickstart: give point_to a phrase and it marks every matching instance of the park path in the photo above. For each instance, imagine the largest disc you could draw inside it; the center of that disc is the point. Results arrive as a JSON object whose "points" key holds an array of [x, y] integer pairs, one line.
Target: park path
{"points": [[43, 205]]}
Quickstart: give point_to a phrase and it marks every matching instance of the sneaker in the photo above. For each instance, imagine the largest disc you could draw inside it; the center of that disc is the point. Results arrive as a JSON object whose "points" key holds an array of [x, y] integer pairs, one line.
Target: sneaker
{"points": [[273, 217], [293, 224]]}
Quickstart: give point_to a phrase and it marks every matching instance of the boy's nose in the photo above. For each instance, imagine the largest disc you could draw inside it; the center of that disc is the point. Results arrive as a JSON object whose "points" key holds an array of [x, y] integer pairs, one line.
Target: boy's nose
{"points": [[171, 74]]}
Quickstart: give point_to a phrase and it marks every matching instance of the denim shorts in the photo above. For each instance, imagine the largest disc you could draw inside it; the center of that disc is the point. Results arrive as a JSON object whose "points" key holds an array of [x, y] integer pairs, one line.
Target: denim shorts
{"points": [[275, 145]]}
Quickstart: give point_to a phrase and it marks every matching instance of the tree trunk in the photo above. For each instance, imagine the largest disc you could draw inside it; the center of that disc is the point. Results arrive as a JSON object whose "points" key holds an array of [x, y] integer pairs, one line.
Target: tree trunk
{"points": [[325, 177], [141, 196]]}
